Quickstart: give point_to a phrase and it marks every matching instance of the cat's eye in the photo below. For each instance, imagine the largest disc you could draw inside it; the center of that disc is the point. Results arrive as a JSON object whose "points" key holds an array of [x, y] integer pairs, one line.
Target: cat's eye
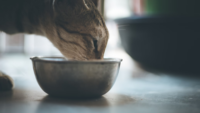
{"points": [[95, 45]]}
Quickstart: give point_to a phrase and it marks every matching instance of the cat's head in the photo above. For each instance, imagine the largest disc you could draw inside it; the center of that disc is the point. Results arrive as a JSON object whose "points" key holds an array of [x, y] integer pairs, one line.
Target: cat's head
{"points": [[80, 31]]}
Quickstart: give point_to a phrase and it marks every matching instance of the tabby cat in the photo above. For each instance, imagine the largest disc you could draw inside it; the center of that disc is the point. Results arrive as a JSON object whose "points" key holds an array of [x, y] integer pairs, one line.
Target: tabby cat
{"points": [[75, 27]]}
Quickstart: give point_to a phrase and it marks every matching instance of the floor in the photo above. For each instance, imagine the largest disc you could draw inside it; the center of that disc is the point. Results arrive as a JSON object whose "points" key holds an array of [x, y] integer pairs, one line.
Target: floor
{"points": [[135, 91]]}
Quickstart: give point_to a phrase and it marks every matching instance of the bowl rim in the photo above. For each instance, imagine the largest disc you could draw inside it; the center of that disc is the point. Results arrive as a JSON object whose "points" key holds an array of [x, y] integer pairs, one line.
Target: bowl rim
{"points": [[63, 60]]}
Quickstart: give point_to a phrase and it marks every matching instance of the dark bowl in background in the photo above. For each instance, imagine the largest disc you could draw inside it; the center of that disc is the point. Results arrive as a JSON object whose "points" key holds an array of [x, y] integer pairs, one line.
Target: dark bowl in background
{"points": [[163, 44]]}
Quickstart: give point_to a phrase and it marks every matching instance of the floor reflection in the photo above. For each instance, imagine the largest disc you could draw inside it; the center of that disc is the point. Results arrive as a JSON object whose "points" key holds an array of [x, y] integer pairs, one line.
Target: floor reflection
{"points": [[100, 102], [104, 101], [118, 99]]}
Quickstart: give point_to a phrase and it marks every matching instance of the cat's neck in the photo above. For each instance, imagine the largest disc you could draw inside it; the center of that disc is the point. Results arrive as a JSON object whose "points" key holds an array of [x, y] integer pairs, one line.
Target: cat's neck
{"points": [[24, 16]]}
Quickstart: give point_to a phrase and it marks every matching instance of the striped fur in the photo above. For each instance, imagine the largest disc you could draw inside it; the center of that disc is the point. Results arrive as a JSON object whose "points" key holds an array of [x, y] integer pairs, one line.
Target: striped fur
{"points": [[75, 27]]}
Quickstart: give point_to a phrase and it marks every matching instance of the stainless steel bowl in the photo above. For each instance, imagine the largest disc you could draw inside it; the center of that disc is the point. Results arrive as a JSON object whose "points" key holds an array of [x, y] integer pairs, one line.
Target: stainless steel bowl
{"points": [[66, 78]]}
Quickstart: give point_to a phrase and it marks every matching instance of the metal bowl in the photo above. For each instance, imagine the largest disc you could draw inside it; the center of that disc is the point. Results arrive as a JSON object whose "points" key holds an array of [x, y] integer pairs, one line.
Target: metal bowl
{"points": [[67, 78]]}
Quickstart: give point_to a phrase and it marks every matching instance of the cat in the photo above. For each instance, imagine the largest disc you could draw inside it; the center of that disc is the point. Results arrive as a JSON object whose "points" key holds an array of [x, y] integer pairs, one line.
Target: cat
{"points": [[75, 27]]}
